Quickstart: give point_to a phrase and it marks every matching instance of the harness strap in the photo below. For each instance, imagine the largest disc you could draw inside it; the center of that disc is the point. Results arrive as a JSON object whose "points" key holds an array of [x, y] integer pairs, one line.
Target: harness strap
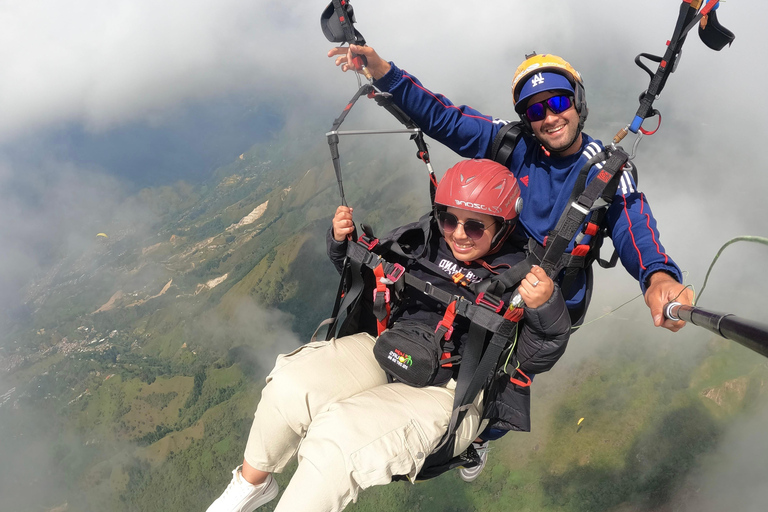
{"points": [[573, 217], [445, 327], [508, 278], [505, 141], [351, 298], [359, 256], [333, 136], [476, 367], [381, 298]]}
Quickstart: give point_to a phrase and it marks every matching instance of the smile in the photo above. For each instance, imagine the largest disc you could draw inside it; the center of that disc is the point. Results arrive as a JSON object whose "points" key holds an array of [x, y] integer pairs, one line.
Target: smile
{"points": [[555, 130], [463, 247]]}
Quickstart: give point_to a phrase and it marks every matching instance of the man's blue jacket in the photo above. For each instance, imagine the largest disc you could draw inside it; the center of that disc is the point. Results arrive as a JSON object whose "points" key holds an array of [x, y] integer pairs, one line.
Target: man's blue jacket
{"points": [[546, 182]]}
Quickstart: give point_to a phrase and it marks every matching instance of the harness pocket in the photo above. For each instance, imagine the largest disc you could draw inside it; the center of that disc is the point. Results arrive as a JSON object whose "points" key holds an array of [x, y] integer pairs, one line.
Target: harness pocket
{"points": [[410, 353], [399, 452]]}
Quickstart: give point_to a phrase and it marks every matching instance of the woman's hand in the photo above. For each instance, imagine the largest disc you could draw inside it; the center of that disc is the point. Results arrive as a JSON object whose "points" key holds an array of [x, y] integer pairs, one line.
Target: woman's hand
{"points": [[536, 288], [343, 224]]}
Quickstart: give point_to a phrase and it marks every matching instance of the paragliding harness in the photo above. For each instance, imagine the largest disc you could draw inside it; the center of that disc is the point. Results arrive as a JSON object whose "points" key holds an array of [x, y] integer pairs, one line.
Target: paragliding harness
{"points": [[379, 266], [593, 200]]}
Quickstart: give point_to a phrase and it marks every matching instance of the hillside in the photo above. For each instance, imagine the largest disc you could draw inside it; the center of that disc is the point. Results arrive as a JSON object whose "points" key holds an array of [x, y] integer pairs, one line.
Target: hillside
{"points": [[131, 377]]}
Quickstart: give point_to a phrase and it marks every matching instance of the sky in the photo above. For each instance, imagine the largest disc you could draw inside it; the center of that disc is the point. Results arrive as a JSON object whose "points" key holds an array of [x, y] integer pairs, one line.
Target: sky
{"points": [[99, 99], [127, 94]]}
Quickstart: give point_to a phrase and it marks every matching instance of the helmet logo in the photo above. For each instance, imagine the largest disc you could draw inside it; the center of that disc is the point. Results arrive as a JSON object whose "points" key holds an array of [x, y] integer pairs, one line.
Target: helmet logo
{"points": [[537, 79], [475, 206]]}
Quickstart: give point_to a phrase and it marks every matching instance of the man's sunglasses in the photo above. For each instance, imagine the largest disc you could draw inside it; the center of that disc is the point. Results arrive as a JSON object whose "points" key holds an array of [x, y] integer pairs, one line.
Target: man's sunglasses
{"points": [[557, 104], [448, 223]]}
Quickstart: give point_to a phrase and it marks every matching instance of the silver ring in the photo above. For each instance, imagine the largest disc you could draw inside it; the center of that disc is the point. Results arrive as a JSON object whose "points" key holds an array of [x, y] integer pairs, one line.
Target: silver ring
{"points": [[535, 284]]}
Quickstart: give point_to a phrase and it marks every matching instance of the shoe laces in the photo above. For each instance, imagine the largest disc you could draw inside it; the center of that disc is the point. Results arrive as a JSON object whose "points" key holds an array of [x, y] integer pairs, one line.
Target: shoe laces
{"points": [[238, 483], [482, 448]]}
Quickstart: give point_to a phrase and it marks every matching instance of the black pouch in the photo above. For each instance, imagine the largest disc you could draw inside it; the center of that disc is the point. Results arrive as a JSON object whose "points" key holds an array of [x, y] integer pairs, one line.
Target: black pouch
{"points": [[410, 353]]}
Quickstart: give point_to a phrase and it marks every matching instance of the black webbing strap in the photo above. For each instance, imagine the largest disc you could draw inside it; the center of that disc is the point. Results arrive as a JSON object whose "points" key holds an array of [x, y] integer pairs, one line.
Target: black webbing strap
{"points": [[505, 141], [346, 18], [477, 367], [686, 20], [333, 137], [573, 217], [515, 274], [351, 298], [331, 322], [510, 277]]}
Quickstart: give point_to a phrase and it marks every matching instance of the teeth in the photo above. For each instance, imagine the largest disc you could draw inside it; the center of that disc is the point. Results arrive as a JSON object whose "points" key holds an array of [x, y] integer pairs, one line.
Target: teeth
{"points": [[553, 130]]}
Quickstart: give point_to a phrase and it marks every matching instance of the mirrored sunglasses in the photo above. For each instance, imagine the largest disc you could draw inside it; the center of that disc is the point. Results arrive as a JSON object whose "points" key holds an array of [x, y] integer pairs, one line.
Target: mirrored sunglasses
{"points": [[556, 104]]}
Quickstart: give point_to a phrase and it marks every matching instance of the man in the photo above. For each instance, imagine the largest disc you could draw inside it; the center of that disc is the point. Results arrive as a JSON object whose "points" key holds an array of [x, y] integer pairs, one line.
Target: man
{"points": [[549, 98]]}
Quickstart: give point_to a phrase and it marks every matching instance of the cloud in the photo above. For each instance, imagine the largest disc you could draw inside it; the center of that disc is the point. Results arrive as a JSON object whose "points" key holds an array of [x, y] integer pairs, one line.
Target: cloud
{"points": [[733, 477], [53, 212], [105, 64]]}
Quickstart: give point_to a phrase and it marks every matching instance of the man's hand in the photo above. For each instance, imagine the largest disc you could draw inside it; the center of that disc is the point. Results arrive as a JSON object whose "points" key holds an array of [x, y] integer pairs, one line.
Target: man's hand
{"points": [[377, 66], [343, 224], [664, 288]]}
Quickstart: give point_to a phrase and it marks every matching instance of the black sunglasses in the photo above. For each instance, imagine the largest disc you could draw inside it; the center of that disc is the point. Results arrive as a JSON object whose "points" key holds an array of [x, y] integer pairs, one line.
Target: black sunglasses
{"points": [[557, 104], [448, 223]]}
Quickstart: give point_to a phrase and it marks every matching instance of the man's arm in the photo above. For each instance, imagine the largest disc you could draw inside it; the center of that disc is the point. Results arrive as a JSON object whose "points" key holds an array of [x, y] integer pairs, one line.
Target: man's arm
{"points": [[463, 129], [632, 228]]}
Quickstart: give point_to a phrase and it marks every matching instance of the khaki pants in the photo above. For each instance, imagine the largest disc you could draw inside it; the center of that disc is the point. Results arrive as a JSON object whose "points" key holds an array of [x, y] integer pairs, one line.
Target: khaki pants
{"points": [[329, 403]]}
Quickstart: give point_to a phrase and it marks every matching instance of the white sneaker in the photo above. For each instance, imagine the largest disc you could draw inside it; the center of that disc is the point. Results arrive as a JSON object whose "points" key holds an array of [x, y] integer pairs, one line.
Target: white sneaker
{"points": [[241, 496], [471, 474]]}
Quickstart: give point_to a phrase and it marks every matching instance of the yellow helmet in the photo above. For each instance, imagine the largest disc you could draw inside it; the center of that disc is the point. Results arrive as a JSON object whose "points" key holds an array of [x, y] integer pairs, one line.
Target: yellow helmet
{"points": [[537, 63], [534, 64]]}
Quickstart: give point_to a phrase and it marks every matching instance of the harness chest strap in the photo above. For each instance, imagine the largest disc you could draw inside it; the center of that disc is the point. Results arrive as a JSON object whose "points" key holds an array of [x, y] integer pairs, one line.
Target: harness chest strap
{"points": [[360, 256], [573, 217]]}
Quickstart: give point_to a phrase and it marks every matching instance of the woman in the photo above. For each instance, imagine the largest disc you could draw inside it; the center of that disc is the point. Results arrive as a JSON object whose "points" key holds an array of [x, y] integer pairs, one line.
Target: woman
{"points": [[332, 405]]}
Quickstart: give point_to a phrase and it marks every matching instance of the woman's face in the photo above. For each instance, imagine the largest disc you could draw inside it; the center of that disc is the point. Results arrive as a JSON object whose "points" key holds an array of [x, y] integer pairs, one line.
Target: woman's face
{"points": [[462, 246]]}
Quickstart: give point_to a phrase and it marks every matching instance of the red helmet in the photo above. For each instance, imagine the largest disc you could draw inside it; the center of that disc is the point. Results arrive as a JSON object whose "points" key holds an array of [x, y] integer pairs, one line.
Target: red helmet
{"points": [[482, 186]]}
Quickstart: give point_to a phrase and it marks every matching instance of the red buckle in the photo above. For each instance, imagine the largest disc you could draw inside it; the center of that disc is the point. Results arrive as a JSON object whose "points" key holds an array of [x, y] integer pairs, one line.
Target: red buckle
{"points": [[396, 273], [368, 245], [481, 300], [385, 292], [446, 355], [580, 250], [519, 382], [591, 229], [448, 333]]}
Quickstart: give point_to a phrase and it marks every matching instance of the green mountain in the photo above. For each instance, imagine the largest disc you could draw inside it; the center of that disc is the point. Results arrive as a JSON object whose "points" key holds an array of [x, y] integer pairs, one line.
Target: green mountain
{"points": [[130, 380]]}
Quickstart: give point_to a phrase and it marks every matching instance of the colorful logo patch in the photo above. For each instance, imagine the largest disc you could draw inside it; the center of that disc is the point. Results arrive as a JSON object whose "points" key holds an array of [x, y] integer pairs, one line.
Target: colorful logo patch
{"points": [[400, 358]]}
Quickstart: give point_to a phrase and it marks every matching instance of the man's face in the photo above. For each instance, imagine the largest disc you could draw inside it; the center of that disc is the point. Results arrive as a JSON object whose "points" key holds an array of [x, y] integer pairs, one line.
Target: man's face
{"points": [[557, 132]]}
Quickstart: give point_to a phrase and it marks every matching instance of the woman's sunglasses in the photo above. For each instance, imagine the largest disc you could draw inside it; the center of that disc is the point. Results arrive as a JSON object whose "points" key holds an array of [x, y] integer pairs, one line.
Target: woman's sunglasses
{"points": [[448, 223], [557, 104]]}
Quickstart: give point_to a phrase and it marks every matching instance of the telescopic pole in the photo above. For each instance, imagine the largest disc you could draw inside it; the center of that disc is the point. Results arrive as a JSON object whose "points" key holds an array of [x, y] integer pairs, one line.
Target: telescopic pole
{"points": [[753, 335]]}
